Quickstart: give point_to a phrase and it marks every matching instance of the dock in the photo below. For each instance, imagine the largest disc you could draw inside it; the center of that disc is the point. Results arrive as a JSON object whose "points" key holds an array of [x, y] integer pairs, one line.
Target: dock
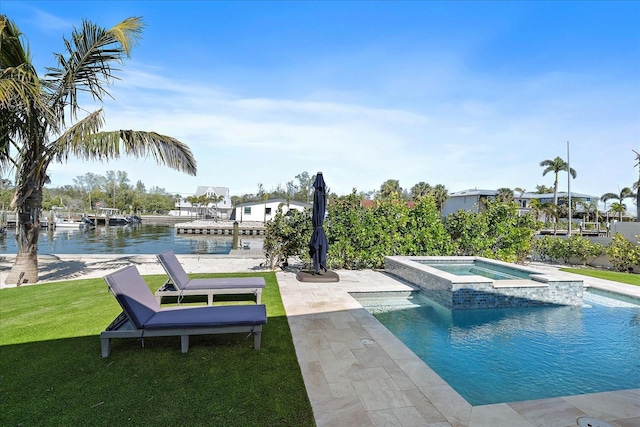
{"points": [[220, 227]]}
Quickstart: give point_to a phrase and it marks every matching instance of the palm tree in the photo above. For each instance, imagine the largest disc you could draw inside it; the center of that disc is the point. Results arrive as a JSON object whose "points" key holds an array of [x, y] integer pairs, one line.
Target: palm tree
{"points": [[36, 115], [619, 208], [543, 189], [420, 190], [440, 195], [536, 208], [556, 166], [636, 186], [588, 207], [504, 194], [389, 188], [521, 192], [624, 194]]}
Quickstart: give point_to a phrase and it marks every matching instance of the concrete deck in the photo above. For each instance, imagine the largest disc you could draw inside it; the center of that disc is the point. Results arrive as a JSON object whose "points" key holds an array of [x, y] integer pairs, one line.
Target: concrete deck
{"points": [[355, 371]]}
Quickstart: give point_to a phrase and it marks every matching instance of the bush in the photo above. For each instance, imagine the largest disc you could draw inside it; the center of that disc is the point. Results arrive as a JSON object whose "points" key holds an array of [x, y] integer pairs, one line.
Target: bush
{"points": [[495, 232], [623, 255], [559, 249], [287, 235], [361, 237]]}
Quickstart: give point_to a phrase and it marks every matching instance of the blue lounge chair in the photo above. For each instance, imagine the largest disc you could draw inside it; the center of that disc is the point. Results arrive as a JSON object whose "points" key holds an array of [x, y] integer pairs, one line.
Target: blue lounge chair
{"points": [[179, 284], [142, 317]]}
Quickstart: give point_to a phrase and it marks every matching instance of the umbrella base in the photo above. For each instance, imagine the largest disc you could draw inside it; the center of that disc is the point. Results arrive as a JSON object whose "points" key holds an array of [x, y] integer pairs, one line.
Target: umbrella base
{"points": [[324, 277]]}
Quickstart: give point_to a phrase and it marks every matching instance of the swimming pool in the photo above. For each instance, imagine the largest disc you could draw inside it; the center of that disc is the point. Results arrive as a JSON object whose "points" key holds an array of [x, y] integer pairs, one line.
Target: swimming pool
{"points": [[505, 355], [476, 267]]}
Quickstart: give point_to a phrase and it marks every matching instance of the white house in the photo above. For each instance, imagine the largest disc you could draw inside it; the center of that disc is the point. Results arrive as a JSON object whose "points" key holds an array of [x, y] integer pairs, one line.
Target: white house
{"points": [[470, 200], [223, 209], [265, 211], [466, 200]]}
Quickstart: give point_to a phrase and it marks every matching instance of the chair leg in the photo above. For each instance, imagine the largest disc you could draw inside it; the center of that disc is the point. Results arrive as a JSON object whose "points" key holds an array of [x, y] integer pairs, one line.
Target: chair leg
{"points": [[258, 296], [184, 343], [105, 346], [210, 299], [257, 336]]}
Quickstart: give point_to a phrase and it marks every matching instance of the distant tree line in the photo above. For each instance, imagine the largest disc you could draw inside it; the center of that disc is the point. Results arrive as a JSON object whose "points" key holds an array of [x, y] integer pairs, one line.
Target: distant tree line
{"points": [[90, 192]]}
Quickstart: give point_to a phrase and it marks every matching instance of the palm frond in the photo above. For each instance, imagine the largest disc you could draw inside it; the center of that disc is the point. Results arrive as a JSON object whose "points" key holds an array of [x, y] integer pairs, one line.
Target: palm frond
{"points": [[87, 66], [85, 142], [23, 110]]}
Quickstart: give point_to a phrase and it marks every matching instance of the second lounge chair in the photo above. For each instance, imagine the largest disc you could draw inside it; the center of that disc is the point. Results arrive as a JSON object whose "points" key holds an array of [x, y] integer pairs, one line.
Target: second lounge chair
{"points": [[179, 284]]}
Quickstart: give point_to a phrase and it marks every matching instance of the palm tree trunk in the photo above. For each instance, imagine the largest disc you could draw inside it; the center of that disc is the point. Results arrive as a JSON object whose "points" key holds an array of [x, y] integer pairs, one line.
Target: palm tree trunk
{"points": [[25, 268]]}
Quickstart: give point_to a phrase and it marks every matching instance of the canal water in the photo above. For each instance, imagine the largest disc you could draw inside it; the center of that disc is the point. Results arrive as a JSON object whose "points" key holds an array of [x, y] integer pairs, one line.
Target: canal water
{"points": [[129, 239]]}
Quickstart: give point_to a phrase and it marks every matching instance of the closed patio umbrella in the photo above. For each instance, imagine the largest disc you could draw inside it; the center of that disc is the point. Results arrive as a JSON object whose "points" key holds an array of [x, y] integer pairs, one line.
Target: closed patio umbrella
{"points": [[318, 245]]}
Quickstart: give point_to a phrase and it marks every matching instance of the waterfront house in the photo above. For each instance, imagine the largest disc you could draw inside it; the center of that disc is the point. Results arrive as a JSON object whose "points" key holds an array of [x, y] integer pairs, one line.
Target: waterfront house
{"points": [[223, 209], [472, 200], [265, 211]]}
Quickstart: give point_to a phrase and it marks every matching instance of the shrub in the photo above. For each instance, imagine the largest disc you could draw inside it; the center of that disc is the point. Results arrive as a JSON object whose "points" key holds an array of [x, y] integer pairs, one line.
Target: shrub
{"points": [[623, 255], [556, 249], [287, 235], [495, 232], [361, 237]]}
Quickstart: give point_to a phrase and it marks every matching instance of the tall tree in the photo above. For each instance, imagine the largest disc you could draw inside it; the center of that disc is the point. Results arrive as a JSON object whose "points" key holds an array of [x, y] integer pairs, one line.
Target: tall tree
{"points": [[620, 206], [40, 123], [305, 182], [556, 166]]}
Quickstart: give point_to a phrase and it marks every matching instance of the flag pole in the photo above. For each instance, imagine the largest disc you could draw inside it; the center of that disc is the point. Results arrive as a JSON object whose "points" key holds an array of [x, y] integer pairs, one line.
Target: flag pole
{"points": [[569, 187]]}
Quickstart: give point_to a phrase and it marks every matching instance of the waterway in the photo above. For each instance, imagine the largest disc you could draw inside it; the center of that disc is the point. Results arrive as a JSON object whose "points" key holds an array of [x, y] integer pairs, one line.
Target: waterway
{"points": [[130, 239]]}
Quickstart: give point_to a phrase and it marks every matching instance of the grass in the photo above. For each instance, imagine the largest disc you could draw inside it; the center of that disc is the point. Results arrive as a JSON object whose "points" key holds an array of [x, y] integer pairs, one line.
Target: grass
{"points": [[628, 278], [51, 372]]}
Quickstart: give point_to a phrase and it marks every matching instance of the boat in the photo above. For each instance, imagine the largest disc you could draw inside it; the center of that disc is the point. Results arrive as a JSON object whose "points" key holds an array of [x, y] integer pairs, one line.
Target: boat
{"points": [[115, 218], [71, 223]]}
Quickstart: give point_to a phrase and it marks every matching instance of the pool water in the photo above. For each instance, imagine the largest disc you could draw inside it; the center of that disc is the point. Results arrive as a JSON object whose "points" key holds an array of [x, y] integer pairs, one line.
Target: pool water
{"points": [[504, 355], [478, 268]]}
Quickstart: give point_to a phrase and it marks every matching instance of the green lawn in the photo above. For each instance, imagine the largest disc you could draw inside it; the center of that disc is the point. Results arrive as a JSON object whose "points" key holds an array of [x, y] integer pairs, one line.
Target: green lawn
{"points": [[631, 279], [51, 372]]}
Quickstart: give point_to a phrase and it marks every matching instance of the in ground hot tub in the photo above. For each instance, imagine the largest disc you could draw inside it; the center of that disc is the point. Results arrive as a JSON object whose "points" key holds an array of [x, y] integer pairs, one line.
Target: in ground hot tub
{"points": [[474, 282]]}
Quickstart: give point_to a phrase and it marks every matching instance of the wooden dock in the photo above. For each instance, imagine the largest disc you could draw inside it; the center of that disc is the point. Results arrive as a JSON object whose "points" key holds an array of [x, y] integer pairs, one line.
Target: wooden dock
{"points": [[220, 228]]}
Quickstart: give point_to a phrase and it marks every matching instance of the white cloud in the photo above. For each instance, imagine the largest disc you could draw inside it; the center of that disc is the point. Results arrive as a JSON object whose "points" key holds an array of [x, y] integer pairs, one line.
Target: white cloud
{"points": [[494, 136]]}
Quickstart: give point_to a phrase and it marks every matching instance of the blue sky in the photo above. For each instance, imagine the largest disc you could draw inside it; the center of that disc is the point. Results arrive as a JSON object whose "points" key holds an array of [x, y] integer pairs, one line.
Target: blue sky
{"points": [[465, 94]]}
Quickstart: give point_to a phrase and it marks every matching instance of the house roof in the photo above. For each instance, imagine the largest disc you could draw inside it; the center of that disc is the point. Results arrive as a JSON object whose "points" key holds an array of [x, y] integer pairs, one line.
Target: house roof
{"points": [[203, 189], [473, 192], [561, 194], [476, 192]]}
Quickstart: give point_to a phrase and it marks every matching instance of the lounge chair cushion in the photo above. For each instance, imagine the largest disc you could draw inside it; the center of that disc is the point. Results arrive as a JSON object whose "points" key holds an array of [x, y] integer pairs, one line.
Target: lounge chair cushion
{"points": [[136, 300], [204, 316], [174, 269], [226, 283]]}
